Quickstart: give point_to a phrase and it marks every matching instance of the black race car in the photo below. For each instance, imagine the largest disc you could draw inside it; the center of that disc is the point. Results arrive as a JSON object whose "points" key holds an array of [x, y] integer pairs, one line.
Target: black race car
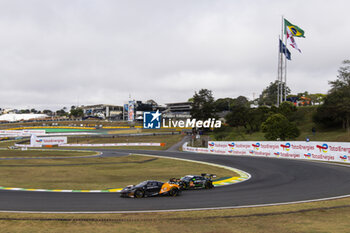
{"points": [[150, 188], [196, 181]]}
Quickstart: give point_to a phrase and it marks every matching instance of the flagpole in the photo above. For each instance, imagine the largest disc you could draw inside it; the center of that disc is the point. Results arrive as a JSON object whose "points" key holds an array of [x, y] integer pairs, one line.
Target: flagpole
{"points": [[281, 65], [278, 70], [285, 69]]}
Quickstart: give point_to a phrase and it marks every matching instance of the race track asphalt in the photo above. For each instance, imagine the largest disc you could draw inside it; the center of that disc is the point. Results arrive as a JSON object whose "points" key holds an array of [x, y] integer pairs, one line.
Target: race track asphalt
{"points": [[272, 181]]}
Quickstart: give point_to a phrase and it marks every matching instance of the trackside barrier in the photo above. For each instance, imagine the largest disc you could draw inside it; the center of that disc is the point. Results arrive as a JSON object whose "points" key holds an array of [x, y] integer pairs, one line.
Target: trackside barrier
{"points": [[99, 145], [51, 127], [323, 151], [115, 144], [18, 133]]}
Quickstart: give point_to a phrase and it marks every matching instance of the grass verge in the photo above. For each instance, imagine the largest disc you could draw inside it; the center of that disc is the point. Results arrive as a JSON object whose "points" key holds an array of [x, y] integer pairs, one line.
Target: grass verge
{"points": [[307, 217], [7, 143], [97, 173]]}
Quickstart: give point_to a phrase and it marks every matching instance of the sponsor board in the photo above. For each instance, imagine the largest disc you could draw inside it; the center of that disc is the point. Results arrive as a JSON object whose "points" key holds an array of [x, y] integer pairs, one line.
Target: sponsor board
{"points": [[25, 132], [45, 141], [131, 110], [97, 144], [113, 144], [324, 151]]}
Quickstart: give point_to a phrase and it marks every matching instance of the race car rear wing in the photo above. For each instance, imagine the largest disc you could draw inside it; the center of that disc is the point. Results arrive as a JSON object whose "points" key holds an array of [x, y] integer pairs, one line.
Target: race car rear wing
{"points": [[174, 181], [209, 175]]}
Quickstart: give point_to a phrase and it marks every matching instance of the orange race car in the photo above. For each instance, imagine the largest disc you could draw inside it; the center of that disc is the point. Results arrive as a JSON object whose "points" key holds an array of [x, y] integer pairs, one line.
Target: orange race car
{"points": [[150, 188]]}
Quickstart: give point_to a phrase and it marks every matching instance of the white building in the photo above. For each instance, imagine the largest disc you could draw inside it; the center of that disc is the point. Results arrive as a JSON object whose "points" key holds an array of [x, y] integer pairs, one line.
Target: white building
{"points": [[22, 117]]}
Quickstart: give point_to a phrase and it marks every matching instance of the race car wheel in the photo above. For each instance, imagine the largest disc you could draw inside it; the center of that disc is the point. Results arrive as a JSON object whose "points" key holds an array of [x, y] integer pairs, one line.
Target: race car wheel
{"points": [[209, 185], [185, 186], [173, 192], [138, 193]]}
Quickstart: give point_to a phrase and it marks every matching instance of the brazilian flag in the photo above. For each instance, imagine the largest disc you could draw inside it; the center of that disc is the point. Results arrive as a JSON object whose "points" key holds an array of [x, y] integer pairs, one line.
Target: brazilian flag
{"points": [[297, 31]]}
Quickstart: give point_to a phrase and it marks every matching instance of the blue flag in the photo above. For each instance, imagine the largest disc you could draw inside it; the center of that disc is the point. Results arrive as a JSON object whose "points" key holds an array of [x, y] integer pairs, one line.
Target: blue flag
{"points": [[284, 50]]}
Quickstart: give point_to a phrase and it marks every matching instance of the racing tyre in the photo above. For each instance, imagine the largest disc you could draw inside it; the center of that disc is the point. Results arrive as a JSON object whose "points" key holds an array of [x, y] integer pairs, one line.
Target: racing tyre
{"points": [[184, 186], [173, 192], [209, 185], [138, 193]]}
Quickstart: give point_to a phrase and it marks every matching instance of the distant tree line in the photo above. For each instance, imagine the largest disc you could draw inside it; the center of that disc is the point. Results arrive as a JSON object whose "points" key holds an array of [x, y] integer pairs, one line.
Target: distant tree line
{"points": [[333, 108], [75, 112], [276, 123]]}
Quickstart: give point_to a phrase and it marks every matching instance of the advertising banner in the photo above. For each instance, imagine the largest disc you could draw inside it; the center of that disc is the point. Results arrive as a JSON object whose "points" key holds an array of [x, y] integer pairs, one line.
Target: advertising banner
{"points": [[131, 111], [32, 131], [324, 151], [43, 141], [24, 132], [114, 144]]}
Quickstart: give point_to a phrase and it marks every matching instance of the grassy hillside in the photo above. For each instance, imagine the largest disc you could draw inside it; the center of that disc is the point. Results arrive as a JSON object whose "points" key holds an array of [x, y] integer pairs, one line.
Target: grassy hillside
{"points": [[304, 124]]}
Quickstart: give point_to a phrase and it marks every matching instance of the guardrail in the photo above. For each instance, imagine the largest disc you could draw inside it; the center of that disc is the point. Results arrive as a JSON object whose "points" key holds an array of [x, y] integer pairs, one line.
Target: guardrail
{"points": [[323, 151]]}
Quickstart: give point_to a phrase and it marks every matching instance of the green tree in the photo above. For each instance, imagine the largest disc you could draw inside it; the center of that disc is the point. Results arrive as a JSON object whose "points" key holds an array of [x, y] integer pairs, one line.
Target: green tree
{"points": [[255, 117], [288, 110], [327, 114], [61, 112], [335, 110], [226, 104], [278, 126], [238, 116], [317, 98], [223, 104], [269, 95], [47, 112], [203, 106], [76, 112], [241, 101], [24, 111], [343, 80]]}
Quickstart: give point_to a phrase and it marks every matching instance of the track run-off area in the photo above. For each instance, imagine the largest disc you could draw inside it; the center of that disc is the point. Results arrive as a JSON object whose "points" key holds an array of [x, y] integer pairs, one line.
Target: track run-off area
{"points": [[272, 181]]}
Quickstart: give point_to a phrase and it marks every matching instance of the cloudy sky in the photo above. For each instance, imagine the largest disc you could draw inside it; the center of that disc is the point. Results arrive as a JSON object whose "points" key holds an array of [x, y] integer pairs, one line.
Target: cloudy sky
{"points": [[66, 52]]}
